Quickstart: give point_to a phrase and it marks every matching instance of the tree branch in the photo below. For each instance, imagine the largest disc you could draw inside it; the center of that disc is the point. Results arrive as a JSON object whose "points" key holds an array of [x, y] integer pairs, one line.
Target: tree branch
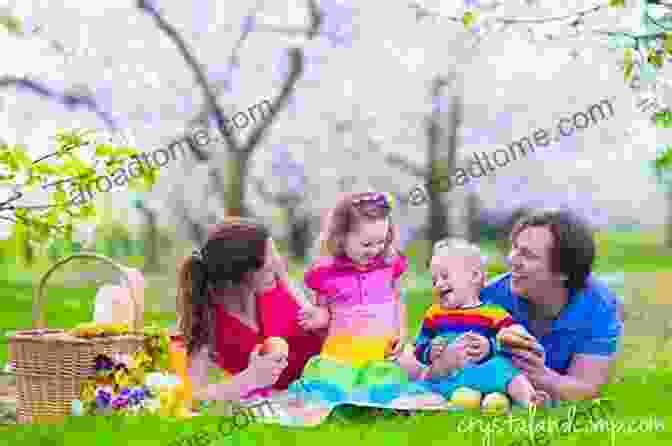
{"points": [[69, 100], [407, 166], [14, 198], [296, 70], [2, 217], [285, 200], [201, 80], [195, 230], [421, 12]]}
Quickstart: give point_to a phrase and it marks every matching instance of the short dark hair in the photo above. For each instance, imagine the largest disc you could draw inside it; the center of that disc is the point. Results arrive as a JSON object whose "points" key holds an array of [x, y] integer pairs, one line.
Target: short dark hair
{"points": [[573, 250]]}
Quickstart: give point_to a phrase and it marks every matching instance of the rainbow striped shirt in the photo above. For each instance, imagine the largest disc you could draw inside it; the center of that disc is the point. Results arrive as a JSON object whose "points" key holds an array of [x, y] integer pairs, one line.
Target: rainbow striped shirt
{"points": [[484, 319]]}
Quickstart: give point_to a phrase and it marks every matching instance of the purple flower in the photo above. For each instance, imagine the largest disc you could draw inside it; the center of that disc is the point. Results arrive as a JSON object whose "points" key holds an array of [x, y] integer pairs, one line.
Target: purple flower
{"points": [[150, 117], [125, 392], [471, 3], [440, 104], [103, 363], [248, 24], [119, 402], [136, 395], [291, 104], [406, 235], [284, 166], [103, 399], [149, 6], [185, 104], [338, 22]]}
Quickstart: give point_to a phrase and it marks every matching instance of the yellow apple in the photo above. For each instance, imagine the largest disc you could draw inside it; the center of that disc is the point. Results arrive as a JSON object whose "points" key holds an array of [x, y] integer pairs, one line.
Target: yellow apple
{"points": [[466, 398], [274, 345], [495, 404]]}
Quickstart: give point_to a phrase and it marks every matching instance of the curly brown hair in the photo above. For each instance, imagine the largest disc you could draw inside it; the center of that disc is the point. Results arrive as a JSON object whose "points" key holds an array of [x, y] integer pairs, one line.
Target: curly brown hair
{"points": [[573, 250], [235, 247], [344, 217]]}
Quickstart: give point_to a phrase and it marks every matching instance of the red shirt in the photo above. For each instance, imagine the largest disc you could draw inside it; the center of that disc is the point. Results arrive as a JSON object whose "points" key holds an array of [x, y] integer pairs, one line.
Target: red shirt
{"points": [[277, 315]]}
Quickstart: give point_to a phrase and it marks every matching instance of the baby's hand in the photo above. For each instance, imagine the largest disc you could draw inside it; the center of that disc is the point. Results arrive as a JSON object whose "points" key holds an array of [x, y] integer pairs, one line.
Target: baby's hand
{"points": [[313, 317], [436, 351]]}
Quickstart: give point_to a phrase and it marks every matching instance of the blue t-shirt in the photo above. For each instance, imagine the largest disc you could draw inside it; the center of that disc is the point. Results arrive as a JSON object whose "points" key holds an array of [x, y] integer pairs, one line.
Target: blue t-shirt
{"points": [[589, 324]]}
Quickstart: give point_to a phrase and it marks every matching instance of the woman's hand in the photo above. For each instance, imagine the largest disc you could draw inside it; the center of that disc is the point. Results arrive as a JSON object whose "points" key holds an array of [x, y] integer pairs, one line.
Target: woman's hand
{"points": [[313, 317], [264, 370]]}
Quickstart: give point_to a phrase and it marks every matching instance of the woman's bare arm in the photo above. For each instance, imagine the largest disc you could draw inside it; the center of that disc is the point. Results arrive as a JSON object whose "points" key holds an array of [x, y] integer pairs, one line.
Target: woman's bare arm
{"points": [[232, 390]]}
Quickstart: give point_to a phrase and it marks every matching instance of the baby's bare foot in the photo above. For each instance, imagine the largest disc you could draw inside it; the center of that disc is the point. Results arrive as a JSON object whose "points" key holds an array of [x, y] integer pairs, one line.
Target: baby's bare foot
{"points": [[539, 398]]}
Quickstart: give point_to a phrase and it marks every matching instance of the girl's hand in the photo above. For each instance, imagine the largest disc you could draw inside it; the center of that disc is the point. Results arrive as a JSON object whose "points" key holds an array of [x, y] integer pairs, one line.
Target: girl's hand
{"points": [[395, 347], [410, 363], [265, 370], [313, 317]]}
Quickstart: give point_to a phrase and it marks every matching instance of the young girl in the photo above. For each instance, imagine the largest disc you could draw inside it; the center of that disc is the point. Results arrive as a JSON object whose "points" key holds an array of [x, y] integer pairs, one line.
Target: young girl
{"points": [[357, 297]]}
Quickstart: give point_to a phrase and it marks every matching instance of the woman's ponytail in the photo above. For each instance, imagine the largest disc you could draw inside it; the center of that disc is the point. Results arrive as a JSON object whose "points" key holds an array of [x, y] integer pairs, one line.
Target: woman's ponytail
{"points": [[192, 299]]}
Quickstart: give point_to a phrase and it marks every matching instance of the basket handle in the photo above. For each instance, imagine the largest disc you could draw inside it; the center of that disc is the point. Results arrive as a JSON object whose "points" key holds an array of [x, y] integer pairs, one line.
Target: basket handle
{"points": [[39, 321]]}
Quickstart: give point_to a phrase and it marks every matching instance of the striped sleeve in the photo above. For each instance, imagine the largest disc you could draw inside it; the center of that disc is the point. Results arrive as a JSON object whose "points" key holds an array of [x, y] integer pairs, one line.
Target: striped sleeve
{"points": [[423, 342]]}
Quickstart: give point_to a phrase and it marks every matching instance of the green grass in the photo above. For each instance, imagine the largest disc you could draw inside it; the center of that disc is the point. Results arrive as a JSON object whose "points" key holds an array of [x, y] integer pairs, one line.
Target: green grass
{"points": [[639, 397], [640, 385]]}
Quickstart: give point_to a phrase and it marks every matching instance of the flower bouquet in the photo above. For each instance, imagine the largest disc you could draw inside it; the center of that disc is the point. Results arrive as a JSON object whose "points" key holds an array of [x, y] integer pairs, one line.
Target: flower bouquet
{"points": [[134, 384]]}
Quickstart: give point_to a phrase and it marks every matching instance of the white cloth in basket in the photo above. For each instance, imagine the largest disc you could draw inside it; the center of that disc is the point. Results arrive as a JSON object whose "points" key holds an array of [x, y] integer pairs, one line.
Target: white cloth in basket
{"points": [[114, 304]]}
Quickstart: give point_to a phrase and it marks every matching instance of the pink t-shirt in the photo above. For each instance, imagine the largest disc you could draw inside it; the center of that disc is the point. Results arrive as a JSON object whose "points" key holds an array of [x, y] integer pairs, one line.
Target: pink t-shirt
{"points": [[361, 300]]}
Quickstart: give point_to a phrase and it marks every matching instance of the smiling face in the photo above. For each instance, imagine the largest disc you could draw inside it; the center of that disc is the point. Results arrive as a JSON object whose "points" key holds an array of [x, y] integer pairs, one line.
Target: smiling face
{"points": [[531, 274], [274, 268], [366, 241], [458, 279]]}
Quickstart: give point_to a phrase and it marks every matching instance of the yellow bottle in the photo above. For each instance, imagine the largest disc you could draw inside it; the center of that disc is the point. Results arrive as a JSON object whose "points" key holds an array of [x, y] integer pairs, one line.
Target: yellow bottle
{"points": [[178, 364]]}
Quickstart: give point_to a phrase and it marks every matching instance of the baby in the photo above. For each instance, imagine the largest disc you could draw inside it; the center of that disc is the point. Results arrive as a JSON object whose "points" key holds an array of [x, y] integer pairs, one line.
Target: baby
{"points": [[457, 277]]}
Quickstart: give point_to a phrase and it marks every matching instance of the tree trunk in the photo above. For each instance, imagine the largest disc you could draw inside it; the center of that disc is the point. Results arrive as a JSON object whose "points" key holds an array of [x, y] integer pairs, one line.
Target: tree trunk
{"points": [[668, 222], [299, 235], [237, 170], [151, 245], [442, 132], [473, 214]]}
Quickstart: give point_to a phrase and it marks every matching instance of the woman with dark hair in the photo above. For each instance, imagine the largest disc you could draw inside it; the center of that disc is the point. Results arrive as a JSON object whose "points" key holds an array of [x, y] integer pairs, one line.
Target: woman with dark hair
{"points": [[233, 294]]}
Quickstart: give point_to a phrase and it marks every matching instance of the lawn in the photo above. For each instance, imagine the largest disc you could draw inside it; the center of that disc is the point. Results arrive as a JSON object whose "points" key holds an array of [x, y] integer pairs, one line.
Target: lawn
{"points": [[639, 386]]}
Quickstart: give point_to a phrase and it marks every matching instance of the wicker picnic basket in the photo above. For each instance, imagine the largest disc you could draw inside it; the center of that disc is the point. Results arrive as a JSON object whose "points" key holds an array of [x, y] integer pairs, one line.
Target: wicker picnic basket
{"points": [[50, 364]]}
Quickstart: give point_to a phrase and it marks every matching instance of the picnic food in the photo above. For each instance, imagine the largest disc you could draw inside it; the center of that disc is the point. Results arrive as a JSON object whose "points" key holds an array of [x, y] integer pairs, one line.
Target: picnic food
{"points": [[92, 329], [274, 344], [516, 336], [495, 404], [466, 398]]}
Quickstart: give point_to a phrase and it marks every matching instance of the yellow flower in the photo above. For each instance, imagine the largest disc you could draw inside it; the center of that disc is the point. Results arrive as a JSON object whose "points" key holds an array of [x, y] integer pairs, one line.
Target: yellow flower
{"points": [[87, 391], [141, 360], [391, 200], [121, 378]]}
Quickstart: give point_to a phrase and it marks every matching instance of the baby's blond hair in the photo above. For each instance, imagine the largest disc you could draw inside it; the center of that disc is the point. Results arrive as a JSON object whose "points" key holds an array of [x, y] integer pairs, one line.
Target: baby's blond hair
{"points": [[453, 246]]}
